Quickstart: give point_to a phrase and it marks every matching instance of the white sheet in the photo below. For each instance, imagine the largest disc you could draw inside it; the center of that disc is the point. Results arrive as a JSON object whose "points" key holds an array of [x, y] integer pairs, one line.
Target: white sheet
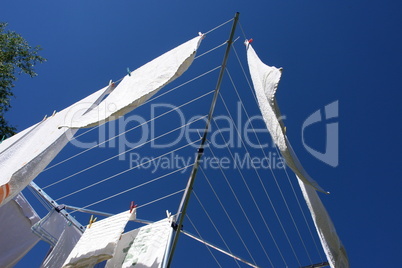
{"points": [[26, 154], [65, 244], [265, 80], [140, 85], [332, 245], [143, 247], [99, 242], [16, 238]]}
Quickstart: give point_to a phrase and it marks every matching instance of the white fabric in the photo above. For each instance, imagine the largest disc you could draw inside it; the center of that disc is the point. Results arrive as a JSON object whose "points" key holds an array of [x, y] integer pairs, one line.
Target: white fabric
{"points": [[99, 242], [332, 245], [16, 238], [143, 247], [50, 227], [65, 244], [141, 85], [25, 155], [7, 143], [265, 80]]}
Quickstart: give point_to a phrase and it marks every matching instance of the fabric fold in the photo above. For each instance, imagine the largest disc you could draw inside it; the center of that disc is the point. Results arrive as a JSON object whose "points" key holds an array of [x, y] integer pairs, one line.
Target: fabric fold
{"points": [[61, 235], [50, 227], [143, 247], [99, 241], [17, 217], [140, 85], [333, 248], [26, 154], [265, 80], [65, 244]]}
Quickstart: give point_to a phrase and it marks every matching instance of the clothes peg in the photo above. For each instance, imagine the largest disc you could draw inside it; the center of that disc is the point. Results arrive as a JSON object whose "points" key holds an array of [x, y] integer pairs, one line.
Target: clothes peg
{"points": [[128, 71], [250, 40], [111, 83], [132, 206], [168, 214], [91, 220]]}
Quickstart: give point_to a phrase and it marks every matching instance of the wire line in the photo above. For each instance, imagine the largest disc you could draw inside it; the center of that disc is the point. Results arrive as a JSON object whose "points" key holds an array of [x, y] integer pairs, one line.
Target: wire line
{"points": [[124, 171], [110, 158], [210, 251], [218, 26], [71, 157], [226, 213], [135, 187]]}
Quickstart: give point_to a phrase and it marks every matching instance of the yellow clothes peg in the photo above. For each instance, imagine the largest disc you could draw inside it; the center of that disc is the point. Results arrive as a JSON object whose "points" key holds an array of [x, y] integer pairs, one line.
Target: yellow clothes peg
{"points": [[91, 220]]}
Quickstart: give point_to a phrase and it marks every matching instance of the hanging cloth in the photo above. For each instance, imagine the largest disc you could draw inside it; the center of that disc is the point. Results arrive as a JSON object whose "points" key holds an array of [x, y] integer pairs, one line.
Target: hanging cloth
{"points": [[26, 154], [62, 236], [50, 227], [99, 241], [265, 80], [143, 247], [332, 245], [17, 217], [65, 244], [140, 85]]}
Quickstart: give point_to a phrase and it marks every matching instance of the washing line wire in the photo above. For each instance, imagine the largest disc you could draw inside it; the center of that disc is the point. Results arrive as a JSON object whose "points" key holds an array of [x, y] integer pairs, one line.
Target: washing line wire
{"points": [[133, 148], [287, 175], [226, 213], [255, 203], [299, 205], [259, 177], [195, 78], [124, 171], [159, 199], [212, 49], [212, 222], [213, 29], [209, 250], [137, 186], [241, 207], [280, 190], [242, 30]]}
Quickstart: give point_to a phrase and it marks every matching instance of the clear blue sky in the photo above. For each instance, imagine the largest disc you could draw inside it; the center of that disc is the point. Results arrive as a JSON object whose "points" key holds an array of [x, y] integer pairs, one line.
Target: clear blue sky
{"points": [[330, 51]]}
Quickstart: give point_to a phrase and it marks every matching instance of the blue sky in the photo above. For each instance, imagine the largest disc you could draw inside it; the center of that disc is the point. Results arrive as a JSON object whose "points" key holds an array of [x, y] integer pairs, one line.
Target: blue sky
{"points": [[330, 51]]}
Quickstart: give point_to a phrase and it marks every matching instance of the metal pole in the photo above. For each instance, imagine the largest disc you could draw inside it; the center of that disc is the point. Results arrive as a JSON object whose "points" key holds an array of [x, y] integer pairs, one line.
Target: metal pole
{"points": [[220, 250], [55, 205], [100, 213], [186, 196]]}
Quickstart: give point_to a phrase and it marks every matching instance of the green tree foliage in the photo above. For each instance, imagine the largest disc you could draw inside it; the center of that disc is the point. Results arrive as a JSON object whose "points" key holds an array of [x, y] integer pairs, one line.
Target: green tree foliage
{"points": [[16, 57]]}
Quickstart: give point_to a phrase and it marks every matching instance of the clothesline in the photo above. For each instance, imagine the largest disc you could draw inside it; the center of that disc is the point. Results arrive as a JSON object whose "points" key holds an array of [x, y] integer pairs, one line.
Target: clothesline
{"points": [[254, 213]]}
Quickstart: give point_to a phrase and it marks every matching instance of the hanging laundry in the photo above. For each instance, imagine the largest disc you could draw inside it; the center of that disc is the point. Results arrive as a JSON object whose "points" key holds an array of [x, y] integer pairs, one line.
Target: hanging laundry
{"points": [[26, 154], [142, 247], [99, 242], [265, 80], [50, 227], [17, 217], [332, 245], [65, 244], [140, 85]]}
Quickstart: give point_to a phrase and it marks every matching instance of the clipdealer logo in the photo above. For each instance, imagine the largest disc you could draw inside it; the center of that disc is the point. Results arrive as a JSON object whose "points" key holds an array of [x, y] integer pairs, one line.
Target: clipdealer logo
{"points": [[331, 154]]}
